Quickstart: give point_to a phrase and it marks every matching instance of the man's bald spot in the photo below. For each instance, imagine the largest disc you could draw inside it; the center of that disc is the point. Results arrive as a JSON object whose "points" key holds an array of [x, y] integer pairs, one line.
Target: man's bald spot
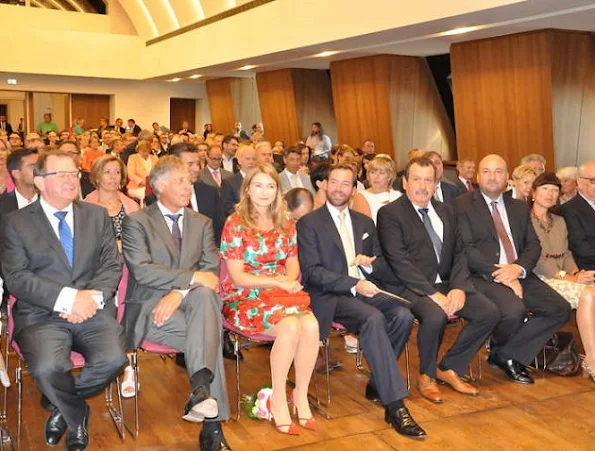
{"points": [[586, 168], [492, 158]]}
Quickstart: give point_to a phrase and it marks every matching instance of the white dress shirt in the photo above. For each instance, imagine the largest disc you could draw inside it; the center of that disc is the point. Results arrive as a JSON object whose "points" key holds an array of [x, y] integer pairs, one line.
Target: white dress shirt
{"points": [[294, 179], [227, 163], [22, 201], [437, 225], [438, 192]]}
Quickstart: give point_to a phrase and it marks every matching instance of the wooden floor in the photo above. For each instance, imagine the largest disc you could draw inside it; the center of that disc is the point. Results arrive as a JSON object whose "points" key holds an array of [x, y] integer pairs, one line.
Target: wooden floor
{"points": [[554, 414]]}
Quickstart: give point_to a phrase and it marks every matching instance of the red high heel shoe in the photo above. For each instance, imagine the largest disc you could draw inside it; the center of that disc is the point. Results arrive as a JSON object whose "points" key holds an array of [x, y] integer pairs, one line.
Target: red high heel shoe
{"points": [[306, 423], [292, 429]]}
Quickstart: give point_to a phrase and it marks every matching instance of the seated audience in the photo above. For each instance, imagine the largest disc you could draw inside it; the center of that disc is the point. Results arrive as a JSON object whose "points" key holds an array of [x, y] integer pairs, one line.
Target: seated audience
{"points": [[299, 202], [368, 147], [343, 287], [139, 166], [413, 153], [259, 247], [381, 175], [213, 174], [466, 175], [306, 157], [421, 243], [231, 187], [93, 153], [291, 177], [535, 161], [133, 127], [522, 183], [6, 182], [172, 292], [319, 143], [119, 126], [229, 160], [47, 125], [208, 128], [64, 290], [502, 249], [557, 267], [568, 179], [72, 149], [445, 191], [15, 141], [318, 177], [79, 126], [579, 214]]}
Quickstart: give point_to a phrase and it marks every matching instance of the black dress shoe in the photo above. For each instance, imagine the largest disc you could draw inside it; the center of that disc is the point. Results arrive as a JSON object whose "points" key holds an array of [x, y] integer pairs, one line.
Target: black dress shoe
{"points": [[228, 348], [46, 404], [200, 406], [212, 439], [514, 370], [181, 360], [402, 422], [78, 439], [55, 427], [372, 393]]}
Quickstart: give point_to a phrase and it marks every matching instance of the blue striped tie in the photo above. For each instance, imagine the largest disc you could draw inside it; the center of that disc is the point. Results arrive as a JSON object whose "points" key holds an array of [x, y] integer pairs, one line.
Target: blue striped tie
{"points": [[65, 236]]}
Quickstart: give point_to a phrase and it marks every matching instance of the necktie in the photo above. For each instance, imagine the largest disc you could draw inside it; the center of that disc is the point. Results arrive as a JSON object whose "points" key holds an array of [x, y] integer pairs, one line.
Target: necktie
{"points": [[217, 177], [65, 236], [469, 186], [436, 241], [176, 233], [347, 246], [508, 249]]}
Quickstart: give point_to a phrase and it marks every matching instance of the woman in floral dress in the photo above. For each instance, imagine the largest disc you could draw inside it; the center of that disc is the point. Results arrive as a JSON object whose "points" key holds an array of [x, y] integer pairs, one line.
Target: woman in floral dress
{"points": [[259, 249]]}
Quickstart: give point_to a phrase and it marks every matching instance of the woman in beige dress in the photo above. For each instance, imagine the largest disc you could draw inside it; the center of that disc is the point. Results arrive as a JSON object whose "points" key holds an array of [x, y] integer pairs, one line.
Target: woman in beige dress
{"points": [[557, 267]]}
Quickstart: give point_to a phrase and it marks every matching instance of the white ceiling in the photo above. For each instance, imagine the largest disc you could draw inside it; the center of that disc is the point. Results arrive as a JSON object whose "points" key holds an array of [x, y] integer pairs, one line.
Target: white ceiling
{"points": [[422, 39]]}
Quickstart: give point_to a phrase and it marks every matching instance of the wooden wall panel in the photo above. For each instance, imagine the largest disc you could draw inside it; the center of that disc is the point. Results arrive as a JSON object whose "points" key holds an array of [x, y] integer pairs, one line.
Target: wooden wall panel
{"points": [[181, 110], [361, 90], [314, 101], [586, 143], [277, 105], [418, 116], [220, 104], [90, 107], [502, 97]]}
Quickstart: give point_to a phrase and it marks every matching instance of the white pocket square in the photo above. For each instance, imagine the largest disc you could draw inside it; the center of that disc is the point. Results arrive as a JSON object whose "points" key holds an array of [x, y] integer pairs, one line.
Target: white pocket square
{"points": [[365, 235]]}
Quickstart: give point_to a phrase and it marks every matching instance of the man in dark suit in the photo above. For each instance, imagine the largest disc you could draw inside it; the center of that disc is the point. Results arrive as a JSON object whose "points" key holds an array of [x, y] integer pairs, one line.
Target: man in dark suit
{"points": [[445, 191], [72, 148], [466, 175], [421, 243], [502, 249], [133, 127], [229, 146], [205, 198], [338, 251], [398, 183], [579, 214], [5, 125], [172, 292], [230, 187], [213, 174], [61, 263]]}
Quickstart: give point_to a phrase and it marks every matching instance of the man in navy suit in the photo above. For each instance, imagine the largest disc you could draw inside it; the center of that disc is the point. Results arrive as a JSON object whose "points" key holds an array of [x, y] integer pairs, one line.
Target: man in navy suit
{"points": [[342, 265]]}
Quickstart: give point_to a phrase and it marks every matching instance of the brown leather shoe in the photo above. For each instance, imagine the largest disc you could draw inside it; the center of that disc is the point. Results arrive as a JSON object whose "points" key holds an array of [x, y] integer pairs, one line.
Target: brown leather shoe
{"points": [[429, 389], [452, 379]]}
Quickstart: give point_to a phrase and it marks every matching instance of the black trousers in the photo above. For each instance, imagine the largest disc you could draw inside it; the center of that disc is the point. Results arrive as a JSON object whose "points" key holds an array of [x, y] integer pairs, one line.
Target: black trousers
{"points": [[515, 336], [480, 315], [46, 348], [383, 327]]}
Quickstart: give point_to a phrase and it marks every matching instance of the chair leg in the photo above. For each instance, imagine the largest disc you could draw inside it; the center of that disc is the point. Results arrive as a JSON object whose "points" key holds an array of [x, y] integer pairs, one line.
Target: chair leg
{"points": [[136, 391], [236, 351], [19, 381], [479, 372], [407, 369], [359, 360], [5, 436], [116, 414], [327, 371], [315, 376]]}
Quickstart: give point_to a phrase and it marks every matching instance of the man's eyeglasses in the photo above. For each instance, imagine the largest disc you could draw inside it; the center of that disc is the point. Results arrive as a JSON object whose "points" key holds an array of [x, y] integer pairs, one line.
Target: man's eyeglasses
{"points": [[592, 180], [62, 174], [215, 159]]}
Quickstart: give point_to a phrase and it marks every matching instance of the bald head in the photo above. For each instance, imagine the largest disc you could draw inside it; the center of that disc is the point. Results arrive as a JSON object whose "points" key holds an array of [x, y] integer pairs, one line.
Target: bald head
{"points": [[586, 180], [492, 175], [246, 156]]}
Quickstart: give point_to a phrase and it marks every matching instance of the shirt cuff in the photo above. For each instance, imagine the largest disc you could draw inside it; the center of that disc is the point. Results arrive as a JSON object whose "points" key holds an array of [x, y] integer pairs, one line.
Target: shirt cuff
{"points": [[368, 269], [523, 272], [65, 300], [182, 292], [353, 291]]}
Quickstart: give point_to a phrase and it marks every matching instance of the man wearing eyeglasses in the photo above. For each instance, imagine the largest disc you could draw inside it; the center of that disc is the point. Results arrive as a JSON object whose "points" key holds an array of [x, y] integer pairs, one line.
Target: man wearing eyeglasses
{"points": [[579, 213], [213, 174], [61, 264], [74, 151]]}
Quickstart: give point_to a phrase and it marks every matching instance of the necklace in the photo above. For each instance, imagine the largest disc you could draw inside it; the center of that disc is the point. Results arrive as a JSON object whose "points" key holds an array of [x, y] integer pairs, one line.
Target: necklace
{"points": [[546, 225]]}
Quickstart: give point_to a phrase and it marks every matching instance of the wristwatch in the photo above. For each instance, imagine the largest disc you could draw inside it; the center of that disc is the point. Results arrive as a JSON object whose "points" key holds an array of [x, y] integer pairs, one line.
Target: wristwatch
{"points": [[561, 274]]}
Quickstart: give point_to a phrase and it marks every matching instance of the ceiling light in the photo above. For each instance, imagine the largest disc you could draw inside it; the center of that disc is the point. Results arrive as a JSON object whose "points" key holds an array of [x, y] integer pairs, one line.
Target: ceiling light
{"points": [[195, 76], [247, 67], [175, 79], [456, 31], [326, 53]]}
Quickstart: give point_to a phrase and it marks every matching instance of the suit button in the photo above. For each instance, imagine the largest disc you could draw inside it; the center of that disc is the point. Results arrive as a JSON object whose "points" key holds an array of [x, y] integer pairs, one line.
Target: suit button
{"points": [[497, 254]]}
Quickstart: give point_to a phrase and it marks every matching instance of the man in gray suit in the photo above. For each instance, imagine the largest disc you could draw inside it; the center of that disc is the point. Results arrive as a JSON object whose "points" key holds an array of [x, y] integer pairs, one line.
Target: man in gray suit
{"points": [[61, 263], [290, 178], [213, 174], [172, 292]]}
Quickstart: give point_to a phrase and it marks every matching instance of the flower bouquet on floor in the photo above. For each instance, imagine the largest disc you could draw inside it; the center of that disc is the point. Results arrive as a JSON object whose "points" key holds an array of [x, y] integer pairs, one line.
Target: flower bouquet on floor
{"points": [[258, 405]]}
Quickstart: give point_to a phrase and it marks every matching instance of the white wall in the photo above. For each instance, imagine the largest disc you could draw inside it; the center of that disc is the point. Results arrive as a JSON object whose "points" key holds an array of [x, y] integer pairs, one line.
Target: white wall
{"points": [[145, 101]]}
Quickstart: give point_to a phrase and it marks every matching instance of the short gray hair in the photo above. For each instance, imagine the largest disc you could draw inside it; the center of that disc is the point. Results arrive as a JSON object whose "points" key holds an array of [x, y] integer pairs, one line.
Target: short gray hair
{"points": [[163, 169], [569, 172]]}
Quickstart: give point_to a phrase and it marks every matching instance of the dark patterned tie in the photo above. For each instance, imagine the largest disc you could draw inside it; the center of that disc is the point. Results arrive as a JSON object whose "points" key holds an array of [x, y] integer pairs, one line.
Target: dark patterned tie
{"points": [[508, 248], [176, 232], [436, 241]]}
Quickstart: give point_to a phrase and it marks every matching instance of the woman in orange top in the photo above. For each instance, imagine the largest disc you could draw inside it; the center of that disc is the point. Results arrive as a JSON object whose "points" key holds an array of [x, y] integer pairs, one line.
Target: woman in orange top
{"points": [[93, 153], [139, 166]]}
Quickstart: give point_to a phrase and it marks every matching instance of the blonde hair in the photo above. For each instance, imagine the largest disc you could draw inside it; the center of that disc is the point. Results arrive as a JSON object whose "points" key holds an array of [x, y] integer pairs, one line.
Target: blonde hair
{"points": [[569, 172], [97, 170], [522, 171], [384, 162], [532, 157], [245, 208]]}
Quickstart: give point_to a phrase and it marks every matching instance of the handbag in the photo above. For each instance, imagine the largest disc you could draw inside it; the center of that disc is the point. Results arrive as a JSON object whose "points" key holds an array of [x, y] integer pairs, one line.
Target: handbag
{"points": [[562, 355], [278, 296]]}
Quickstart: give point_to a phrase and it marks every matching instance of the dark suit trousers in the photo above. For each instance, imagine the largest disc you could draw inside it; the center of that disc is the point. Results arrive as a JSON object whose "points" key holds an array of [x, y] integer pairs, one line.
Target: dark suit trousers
{"points": [[517, 337], [195, 329], [383, 327], [480, 315], [46, 348]]}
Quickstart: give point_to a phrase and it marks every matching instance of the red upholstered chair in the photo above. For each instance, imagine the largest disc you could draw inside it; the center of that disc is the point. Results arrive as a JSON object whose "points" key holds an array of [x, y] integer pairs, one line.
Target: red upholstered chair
{"points": [[77, 362]]}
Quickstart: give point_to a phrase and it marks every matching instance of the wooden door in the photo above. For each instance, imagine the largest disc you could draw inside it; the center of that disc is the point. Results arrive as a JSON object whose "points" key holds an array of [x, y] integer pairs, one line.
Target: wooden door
{"points": [[90, 107], [181, 110]]}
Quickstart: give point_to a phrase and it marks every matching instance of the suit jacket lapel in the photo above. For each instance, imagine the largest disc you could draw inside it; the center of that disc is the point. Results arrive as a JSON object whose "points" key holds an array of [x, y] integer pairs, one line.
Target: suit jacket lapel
{"points": [[328, 220], [80, 241], [44, 226], [512, 222], [188, 241], [447, 228], [358, 232], [484, 212], [161, 226], [414, 215]]}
